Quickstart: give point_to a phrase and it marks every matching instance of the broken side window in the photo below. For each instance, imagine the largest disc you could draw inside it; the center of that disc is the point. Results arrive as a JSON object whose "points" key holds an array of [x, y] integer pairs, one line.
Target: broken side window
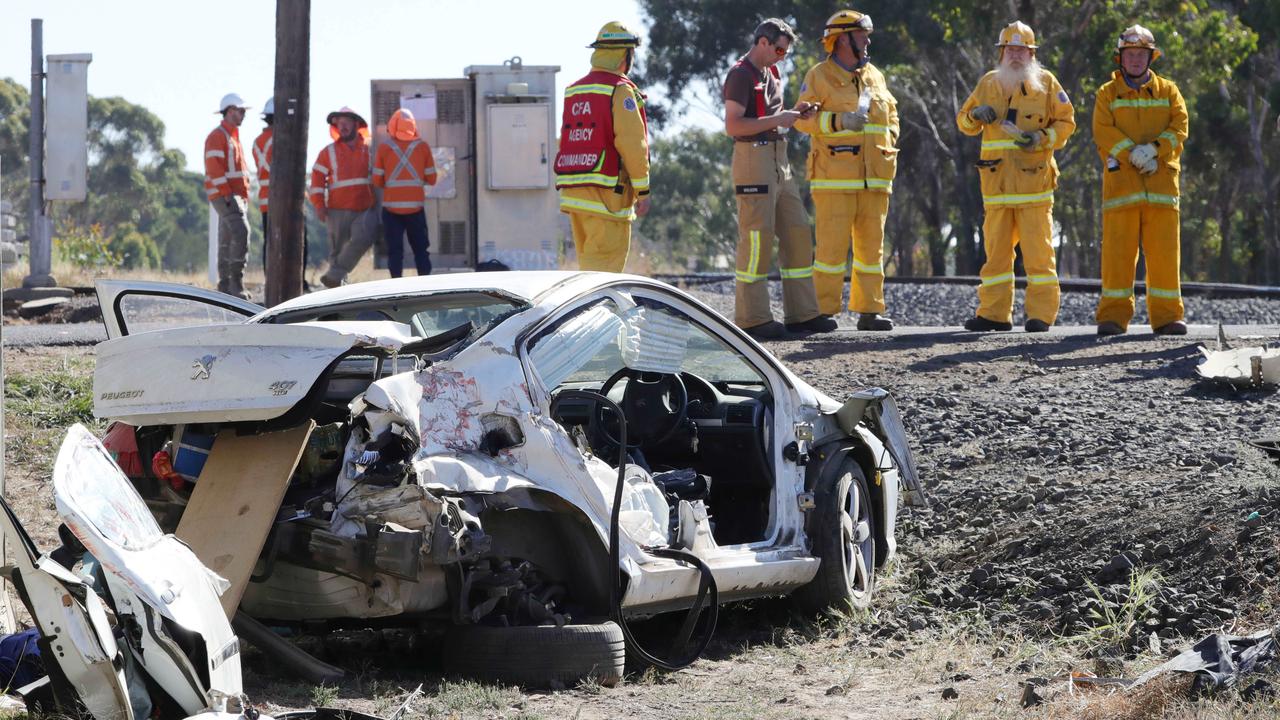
{"points": [[583, 345]]}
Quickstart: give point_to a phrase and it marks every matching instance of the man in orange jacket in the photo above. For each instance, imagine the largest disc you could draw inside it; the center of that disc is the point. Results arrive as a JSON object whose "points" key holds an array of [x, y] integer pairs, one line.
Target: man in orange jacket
{"points": [[227, 186], [342, 194], [402, 168], [262, 160]]}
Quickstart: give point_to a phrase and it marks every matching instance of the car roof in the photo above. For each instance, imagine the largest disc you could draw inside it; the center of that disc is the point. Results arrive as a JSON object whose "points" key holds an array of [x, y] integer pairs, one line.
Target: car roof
{"points": [[527, 285]]}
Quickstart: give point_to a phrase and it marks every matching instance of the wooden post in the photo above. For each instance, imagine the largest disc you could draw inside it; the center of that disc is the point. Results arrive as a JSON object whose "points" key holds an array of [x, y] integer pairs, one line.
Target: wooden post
{"points": [[289, 151]]}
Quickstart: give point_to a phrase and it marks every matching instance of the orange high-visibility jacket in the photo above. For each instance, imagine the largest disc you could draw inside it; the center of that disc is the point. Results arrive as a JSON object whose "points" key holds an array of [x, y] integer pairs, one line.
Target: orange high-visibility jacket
{"points": [[402, 168], [224, 169], [342, 171], [262, 158]]}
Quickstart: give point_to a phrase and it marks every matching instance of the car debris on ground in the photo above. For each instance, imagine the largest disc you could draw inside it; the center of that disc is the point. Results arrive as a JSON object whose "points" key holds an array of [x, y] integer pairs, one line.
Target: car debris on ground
{"points": [[1247, 367]]}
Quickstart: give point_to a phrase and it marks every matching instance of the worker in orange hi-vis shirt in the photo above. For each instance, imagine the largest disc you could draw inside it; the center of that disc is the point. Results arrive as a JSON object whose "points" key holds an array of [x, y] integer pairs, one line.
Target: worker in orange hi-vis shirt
{"points": [[342, 193], [403, 168], [227, 186], [262, 146]]}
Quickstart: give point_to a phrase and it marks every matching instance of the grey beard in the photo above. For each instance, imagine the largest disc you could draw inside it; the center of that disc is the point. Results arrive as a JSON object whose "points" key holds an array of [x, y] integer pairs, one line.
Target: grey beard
{"points": [[1028, 75]]}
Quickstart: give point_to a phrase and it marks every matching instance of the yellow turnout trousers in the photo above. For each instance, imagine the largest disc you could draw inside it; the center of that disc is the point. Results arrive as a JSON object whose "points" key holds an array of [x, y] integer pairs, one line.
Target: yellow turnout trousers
{"points": [[1156, 228], [769, 204], [841, 216], [602, 242], [1004, 228]]}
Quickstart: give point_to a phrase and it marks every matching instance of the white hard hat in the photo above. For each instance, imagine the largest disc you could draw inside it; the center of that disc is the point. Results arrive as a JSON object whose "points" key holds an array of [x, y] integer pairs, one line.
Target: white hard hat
{"points": [[231, 100], [270, 107]]}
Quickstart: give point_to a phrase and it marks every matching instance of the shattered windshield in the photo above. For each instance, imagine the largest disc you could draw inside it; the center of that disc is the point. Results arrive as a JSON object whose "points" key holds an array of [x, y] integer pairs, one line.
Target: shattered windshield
{"points": [[428, 315]]}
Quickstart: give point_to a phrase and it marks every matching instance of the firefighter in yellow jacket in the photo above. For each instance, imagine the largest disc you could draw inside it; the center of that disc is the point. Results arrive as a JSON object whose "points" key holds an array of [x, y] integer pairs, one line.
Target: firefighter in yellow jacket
{"points": [[852, 161], [1140, 124], [602, 168], [1023, 115]]}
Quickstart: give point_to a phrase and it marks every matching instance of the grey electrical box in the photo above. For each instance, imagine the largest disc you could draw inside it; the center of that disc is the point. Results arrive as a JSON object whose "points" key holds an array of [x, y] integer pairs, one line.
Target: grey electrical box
{"points": [[67, 126], [519, 145], [493, 135]]}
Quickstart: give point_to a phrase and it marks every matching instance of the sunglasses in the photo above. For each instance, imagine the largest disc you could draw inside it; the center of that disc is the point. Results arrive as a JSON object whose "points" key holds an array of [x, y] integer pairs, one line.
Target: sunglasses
{"points": [[780, 51]]}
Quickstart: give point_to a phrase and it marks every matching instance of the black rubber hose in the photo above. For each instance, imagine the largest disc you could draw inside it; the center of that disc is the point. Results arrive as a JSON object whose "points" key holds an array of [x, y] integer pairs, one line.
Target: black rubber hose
{"points": [[706, 583]]}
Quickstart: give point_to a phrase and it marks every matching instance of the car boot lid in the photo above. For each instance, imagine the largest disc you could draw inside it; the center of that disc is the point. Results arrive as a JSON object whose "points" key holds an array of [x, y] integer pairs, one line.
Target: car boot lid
{"points": [[226, 373]]}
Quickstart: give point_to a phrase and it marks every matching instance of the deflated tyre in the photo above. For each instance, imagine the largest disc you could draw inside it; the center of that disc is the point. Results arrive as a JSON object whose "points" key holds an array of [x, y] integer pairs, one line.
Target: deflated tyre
{"points": [[538, 656]]}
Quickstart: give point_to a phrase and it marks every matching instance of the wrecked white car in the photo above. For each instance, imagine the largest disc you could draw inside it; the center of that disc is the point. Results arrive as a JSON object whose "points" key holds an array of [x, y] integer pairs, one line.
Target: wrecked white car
{"points": [[518, 458]]}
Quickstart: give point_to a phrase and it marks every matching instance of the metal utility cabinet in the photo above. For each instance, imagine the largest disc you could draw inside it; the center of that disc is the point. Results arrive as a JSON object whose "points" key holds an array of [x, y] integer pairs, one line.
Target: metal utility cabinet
{"points": [[493, 137]]}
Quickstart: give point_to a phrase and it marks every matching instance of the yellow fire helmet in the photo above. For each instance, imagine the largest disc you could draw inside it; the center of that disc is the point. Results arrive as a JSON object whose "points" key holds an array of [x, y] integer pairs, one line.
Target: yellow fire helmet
{"points": [[1136, 36], [843, 22], [615, 35], [1017, 34]]}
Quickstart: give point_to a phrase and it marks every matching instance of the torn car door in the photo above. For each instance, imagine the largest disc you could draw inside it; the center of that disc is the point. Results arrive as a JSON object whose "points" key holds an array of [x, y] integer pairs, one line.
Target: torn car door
{"points": [[133, 306]]}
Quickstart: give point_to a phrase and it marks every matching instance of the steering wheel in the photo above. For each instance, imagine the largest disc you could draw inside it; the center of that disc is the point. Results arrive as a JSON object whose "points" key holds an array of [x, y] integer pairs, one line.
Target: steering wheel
{"points": [[655, 404]]}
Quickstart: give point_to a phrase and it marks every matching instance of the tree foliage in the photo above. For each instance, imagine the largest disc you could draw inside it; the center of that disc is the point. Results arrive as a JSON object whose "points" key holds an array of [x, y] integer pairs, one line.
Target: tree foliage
{"points": [[140, 195], [1224, 55]]}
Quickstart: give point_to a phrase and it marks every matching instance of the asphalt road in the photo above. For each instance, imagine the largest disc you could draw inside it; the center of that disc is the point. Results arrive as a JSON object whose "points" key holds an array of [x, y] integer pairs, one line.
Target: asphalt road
{"points": [[92, 332], [88, 333]]}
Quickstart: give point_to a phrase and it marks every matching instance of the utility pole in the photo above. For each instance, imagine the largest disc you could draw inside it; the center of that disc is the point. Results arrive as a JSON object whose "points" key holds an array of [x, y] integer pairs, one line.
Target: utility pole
{"points": [[38, 230], [289, 150]]}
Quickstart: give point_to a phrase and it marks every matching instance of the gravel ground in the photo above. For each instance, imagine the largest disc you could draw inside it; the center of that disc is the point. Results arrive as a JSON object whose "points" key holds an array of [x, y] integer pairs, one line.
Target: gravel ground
{"points": [[1059, 471], [951, 305]]}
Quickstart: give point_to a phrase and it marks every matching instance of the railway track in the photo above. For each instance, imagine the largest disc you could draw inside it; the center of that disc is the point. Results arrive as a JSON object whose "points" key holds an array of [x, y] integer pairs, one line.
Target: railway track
{"points": [[1208, 290]]}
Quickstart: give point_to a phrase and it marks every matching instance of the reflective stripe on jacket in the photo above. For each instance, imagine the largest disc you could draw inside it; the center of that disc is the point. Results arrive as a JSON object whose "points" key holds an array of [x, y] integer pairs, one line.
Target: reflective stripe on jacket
{"points": [[1125, 117], [1011, 176], [402, 169], [224, 169], [262, 146], [843, 160], [340, 177]]}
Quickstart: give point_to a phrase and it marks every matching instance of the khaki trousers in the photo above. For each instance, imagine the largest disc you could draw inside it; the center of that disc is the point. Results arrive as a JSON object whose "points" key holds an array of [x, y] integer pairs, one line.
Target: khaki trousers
{"points": [[1004, 228], [602, 242], [351, 234], [1156, 229], [842, 218], [769, 205], [233, 241]]}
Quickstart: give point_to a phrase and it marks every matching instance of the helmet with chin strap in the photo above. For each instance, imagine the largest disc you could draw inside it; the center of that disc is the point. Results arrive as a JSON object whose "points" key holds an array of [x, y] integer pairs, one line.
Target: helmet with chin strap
{"points": [[1136, 36], [845, 21]]}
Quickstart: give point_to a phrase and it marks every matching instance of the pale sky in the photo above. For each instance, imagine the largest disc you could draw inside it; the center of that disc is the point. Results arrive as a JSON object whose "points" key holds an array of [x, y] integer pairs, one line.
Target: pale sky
{"points": [[178, 58]]}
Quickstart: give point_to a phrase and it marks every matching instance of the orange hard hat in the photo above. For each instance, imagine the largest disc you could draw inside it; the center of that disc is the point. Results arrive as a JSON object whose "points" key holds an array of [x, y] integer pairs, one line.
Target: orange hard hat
{"points": [[402, 126]]}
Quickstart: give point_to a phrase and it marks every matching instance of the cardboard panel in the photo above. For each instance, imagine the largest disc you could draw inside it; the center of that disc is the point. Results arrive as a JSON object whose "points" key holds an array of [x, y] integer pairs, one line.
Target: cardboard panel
{"points": [[236, 500]]}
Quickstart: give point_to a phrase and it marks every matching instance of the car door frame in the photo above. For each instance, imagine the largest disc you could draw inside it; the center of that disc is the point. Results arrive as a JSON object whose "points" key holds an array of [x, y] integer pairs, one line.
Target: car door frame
{"points": [[112, 292], [786, 518]]}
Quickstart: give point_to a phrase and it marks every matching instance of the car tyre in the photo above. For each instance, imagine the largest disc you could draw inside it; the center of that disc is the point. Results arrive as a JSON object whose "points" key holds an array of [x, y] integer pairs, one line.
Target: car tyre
{"points": [[537, 656], [844, 539]]}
